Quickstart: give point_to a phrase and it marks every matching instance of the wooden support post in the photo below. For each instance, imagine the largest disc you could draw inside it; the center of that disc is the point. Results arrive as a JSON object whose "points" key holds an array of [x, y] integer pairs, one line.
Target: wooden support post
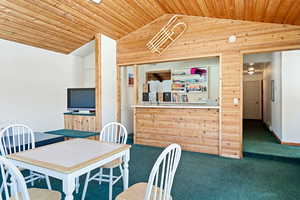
{"points": [[98, 81], [118, 94], [220, 103], [136, 85], [135, 97]]}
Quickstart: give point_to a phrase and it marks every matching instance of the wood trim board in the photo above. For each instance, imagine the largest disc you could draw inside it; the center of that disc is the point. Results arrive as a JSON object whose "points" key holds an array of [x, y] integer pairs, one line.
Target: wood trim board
{"points": [[60, 168], [118, 94], [98, 78]]}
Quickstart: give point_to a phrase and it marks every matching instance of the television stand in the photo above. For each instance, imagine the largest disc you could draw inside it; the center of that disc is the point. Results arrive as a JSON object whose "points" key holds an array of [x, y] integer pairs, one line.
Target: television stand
{"points": [[80, 121]]}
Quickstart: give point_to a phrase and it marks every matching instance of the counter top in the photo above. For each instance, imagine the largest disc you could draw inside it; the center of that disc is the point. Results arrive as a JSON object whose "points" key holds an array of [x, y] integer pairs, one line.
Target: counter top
{"points": [[186, 106]]}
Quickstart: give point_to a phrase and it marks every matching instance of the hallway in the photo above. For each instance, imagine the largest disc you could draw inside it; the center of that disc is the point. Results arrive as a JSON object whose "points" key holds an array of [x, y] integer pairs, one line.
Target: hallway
{"points": [[258, 140]]}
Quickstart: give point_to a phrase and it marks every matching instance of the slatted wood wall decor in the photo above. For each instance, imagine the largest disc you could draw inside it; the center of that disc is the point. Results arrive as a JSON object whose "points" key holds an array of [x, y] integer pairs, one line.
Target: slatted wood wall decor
{"points": [[208, 37], [167, 36], [194, 129], [65, 25]]}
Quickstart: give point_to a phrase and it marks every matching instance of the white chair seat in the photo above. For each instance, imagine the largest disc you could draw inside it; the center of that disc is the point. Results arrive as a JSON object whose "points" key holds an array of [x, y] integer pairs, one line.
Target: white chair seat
{"points": [[137, 192], [42, 194], [113, 164]]}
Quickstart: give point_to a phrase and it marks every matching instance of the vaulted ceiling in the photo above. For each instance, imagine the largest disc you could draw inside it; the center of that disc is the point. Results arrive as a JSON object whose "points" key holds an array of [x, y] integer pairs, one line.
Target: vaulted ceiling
{"points": [[65, 25]]}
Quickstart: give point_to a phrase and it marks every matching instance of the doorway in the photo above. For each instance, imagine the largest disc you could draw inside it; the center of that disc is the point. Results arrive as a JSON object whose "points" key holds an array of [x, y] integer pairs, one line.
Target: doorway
{"points": [[264, 101], [252, 92], [127, 91]]}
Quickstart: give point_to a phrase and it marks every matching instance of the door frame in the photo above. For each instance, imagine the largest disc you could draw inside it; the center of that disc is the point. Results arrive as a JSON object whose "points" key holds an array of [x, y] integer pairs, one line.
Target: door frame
{"points": [[254, 51]]}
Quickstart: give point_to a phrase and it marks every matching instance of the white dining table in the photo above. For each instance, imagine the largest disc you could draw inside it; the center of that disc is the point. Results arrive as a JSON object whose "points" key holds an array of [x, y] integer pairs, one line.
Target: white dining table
{"points": [[72, 158]]}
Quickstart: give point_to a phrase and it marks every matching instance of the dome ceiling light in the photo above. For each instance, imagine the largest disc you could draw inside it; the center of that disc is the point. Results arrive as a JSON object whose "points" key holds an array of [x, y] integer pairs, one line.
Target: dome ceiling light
{"points": [[96, 1]]}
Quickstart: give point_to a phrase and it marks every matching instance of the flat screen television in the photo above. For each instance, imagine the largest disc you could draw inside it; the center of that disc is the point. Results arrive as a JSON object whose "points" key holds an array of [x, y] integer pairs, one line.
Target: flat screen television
{"points": [[81, 99]]}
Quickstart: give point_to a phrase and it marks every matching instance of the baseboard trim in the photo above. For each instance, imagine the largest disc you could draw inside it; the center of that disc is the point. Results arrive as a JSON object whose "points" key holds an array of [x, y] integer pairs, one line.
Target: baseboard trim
{"points": [[283, 142], [277, 138], [290, 143]]}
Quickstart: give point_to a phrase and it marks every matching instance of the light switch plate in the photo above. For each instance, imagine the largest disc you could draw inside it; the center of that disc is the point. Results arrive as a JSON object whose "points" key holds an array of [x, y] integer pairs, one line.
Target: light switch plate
{"points": [[235, 101]]}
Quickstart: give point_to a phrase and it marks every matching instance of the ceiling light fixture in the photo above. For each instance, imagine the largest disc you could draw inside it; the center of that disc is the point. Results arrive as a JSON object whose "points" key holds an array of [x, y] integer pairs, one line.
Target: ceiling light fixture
{"points": [[251, 70], [96, 1]]}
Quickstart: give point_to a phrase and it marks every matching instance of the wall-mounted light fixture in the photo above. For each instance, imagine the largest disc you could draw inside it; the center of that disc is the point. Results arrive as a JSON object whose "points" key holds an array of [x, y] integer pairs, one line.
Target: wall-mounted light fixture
{"points": [[232, 39], [251, 70]]}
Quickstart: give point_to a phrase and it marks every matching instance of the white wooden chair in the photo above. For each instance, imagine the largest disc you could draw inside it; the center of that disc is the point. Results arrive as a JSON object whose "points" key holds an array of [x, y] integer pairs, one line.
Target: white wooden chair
{"points": [[113, 133], [18, 189], [160, 180], [16, 138]]}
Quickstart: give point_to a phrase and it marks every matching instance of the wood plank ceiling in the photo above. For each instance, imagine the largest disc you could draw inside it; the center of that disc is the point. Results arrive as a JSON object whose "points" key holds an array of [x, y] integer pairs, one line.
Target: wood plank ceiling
{"points": [[65, 25]]}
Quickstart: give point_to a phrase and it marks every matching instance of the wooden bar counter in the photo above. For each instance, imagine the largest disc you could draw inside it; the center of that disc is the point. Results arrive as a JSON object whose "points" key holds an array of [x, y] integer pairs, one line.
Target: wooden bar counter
{"points": [[195, 128]]}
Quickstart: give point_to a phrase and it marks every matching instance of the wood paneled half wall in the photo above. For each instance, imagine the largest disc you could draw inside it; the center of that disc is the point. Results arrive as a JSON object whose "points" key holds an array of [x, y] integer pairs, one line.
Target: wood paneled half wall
{"points": [[194, 129], [209, 37]]}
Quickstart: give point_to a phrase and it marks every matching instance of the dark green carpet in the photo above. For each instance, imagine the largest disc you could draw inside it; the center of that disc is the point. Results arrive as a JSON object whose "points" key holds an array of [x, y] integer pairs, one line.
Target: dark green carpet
{"points": [[72, 133], [207, 177], [259, 140]]}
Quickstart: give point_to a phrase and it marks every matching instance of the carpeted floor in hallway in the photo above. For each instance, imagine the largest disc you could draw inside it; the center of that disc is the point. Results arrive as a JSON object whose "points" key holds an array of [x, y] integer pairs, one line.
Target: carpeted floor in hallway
{"points": [[257, 139]]}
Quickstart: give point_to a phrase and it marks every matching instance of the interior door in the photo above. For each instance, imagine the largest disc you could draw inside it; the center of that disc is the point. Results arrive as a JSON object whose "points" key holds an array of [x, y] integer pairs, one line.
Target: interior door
{"points": [[252, 100]]}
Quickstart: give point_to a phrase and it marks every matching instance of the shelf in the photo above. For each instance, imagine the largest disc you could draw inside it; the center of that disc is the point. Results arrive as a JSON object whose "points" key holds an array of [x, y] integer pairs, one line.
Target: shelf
{"points": [[79, 113]]}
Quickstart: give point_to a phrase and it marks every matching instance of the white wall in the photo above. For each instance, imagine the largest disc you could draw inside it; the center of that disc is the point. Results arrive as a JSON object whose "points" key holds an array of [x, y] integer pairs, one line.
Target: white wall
{"points": [[272, 109], [33, 85], [108, 66], [89, 78], [267, 95], [283, 115], [127, 99], [276, 105], [291, 96]]}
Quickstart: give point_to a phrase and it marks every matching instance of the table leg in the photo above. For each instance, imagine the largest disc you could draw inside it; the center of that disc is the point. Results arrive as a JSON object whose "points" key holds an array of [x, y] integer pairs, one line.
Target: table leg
{"points": [[126, 171], [69, 187]]}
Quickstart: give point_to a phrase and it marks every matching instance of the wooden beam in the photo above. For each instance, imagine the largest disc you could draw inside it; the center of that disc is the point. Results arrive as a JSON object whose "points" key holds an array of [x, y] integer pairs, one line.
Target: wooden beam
{"points": [[118, 94], [98, 78], [135, 99], [135, 85], [220, 102]]}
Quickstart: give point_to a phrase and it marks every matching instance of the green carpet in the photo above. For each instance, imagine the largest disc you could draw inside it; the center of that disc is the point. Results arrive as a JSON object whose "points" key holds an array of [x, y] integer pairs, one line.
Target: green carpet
{"points": [[259, 140], [72, 133], [207, 177]]}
